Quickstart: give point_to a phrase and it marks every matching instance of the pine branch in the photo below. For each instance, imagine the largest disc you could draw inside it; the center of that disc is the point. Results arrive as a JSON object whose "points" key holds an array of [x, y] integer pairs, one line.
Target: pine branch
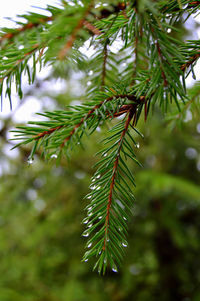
{"points": [[63, 52], [30, 25], [111, 198], [63, 126], [114, 174]]}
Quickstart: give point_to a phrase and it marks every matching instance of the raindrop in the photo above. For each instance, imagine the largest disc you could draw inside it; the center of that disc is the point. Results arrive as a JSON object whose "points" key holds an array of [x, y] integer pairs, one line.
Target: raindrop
{"points": [[90, 225], [89, 197], [114, 269], [99, 187], [30, 161], [85, 221], [98, 129], [90, 214], [85, 234], [93, 187], [105, 154], [99, 252], [90, 244], [138, 145], [124, 218], [90, 208], [108, 239], [98, 176], [100, 217], [54, 156], [86, 260], [124, 245], [93, 180]]}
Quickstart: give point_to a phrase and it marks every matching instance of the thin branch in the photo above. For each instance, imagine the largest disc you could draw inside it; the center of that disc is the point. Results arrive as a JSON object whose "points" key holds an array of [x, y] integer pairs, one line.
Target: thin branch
{"points": [[30, 25], [105, 56], [190, 61], [35, 48], [130, 114], [131, 97], [92, 28], [122, 110], [63, 52], [161, 60]]}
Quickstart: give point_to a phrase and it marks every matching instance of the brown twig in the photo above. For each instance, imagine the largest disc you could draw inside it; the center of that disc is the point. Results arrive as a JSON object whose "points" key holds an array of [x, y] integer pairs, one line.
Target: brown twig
{"points": [[63, 52], [35, 48], [48, 132], [190, 61], [161, 60], [30, 25], [130, 97], [122, 110], [105, 56], [130, 114]]}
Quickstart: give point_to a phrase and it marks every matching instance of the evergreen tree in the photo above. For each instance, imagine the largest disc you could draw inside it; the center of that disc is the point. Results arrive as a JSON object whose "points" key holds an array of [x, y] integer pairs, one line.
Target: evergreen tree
{"points": [[138, 63]]}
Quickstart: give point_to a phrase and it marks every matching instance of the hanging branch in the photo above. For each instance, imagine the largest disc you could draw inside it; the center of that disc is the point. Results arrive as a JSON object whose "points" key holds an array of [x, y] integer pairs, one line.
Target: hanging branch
{"points": [[130, 114]]}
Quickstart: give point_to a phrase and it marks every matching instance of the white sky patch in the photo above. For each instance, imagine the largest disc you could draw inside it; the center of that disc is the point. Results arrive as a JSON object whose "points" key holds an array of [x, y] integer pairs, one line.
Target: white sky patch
{"points": [[11, 8]]}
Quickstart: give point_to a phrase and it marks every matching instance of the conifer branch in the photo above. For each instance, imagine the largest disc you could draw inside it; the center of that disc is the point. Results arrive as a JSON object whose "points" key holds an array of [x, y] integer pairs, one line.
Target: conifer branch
{"points": [[63, 52], [191, 60], [30, 25], [114, 174]]}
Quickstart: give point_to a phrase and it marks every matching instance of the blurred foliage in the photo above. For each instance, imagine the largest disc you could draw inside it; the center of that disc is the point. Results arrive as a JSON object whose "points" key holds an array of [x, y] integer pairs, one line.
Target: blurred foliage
{"points": [[40, 224]]}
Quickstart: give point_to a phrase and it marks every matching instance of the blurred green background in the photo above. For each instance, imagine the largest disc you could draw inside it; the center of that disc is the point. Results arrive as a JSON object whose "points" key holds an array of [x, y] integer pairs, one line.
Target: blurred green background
{"points": [[42, 207]]}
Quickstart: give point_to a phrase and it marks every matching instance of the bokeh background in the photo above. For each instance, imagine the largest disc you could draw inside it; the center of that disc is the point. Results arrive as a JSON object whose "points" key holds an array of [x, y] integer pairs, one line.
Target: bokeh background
{"points": [[42, 206]]}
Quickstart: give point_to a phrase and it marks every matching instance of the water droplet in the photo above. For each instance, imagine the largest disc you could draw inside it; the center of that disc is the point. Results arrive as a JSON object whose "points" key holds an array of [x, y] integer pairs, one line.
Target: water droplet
{"points": [[86, 260], [108, 239], [99, 252], [98, 129], [100, 217], [114, 269], [85, 221], [78, 142], [138, 145], [90, 208], [85, 234], [104, 154], [99, 187], [90, 214], [124, 218], [124, 245], [54, 156], [93, 187], [30, 161], [90, 244], [93, 180], [90, 225], [89, 197], [120, 229], [98, 176]]}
